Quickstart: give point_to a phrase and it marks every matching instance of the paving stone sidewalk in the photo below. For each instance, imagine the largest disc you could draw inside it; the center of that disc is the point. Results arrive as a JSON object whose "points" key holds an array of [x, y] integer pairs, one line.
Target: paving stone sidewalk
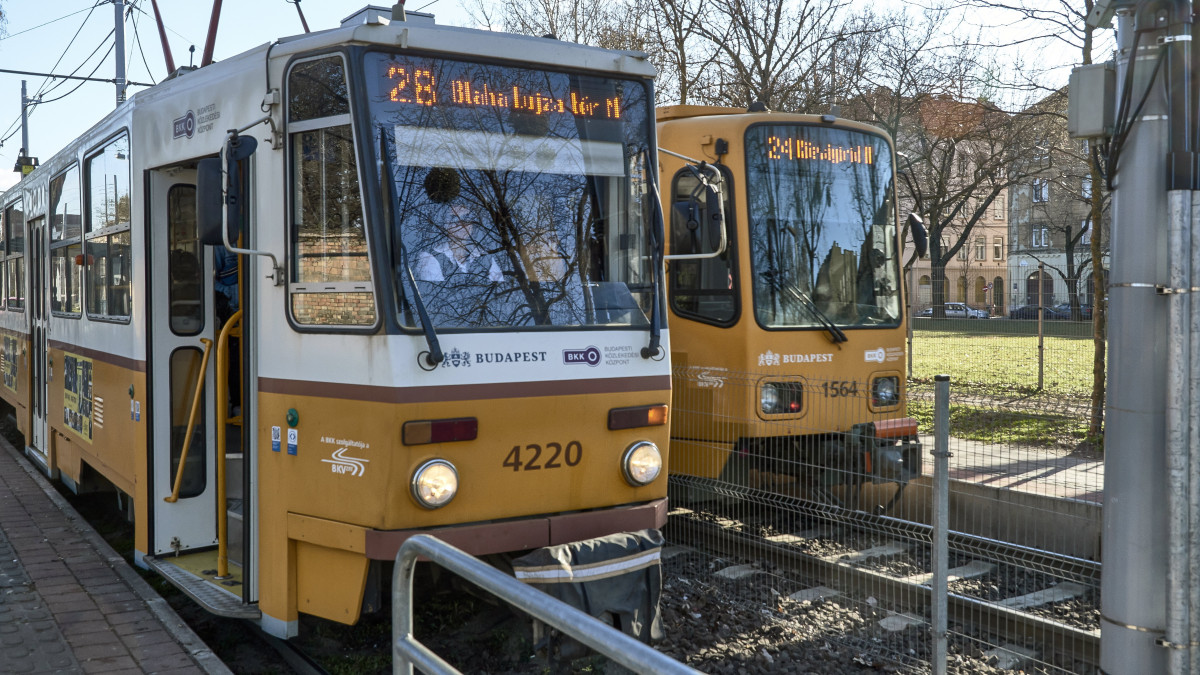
{"points": [[68, 602]]}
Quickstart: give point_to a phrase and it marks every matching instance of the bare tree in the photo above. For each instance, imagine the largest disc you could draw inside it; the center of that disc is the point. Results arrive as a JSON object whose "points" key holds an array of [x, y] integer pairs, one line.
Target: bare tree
{"points": [[779, 53], [676, 44], [1063, 22]]}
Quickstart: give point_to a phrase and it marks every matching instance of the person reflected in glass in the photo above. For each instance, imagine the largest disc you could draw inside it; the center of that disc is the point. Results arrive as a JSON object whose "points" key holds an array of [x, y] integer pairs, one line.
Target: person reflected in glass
{"points": [[459, 253]]}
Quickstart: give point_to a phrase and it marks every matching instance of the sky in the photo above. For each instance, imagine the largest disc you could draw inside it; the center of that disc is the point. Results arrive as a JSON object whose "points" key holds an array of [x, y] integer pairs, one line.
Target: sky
{"points": [[74, 37], [62, 36]]}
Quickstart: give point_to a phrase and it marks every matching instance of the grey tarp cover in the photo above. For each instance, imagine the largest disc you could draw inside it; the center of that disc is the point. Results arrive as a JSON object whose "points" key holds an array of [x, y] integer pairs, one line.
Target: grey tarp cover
{"points": [[619, 575]]}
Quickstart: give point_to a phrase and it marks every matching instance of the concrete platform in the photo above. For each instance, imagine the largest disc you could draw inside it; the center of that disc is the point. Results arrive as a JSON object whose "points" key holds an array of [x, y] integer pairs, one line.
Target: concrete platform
{"points": [[68, 602]]}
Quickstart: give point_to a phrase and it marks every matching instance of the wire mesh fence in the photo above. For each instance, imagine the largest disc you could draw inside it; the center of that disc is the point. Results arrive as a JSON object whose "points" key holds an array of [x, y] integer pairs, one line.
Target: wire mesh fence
{"points": [[816, 518]]}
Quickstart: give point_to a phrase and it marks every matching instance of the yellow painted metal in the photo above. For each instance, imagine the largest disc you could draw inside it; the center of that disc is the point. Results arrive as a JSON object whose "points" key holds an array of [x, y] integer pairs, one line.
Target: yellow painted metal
{"points": [[187, 439], [222, 420], [702, 441], [327, 533]]}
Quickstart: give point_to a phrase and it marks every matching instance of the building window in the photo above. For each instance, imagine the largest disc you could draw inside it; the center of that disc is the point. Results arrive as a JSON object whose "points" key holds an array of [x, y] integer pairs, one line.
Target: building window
{"points": [[1041, 190], [1041, 237], [998, 209], [998, 248], [1085, 188], [1085, 239], [980, 248]]}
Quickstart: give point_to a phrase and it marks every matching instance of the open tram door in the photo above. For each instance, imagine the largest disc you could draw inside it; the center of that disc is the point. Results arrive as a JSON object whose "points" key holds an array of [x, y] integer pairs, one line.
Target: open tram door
{"points": [[198, 528]]}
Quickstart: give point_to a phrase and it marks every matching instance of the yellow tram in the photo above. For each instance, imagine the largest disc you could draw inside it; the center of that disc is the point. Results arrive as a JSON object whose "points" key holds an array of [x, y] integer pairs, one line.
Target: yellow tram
{"points": [[348, 286], [785, 296]]}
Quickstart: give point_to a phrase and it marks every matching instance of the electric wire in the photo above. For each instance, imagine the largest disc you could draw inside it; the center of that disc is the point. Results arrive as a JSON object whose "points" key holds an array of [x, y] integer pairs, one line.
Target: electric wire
{"points": [[43, 25]]}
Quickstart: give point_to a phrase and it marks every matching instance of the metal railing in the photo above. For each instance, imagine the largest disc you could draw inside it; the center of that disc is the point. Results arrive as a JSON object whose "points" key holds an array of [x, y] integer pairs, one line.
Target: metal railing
{"points": [[407, 651]]}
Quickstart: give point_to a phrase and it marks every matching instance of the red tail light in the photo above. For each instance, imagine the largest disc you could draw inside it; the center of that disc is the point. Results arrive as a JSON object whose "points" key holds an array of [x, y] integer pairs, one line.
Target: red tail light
{"points": [[420, 432]]}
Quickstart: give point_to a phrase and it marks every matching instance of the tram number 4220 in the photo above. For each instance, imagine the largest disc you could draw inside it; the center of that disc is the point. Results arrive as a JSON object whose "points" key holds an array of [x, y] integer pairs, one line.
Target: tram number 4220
{"points": [[534, 457]]}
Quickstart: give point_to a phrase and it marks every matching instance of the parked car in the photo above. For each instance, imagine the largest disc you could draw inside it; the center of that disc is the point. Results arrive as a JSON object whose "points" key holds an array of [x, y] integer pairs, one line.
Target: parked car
{"points": [[958, 310], [1031, 312], [1085, 311]]}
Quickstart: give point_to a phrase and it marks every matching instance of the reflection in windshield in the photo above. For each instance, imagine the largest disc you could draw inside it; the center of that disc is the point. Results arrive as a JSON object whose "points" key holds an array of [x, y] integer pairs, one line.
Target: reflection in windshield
{"points": [[522, 194], [822, 227]]}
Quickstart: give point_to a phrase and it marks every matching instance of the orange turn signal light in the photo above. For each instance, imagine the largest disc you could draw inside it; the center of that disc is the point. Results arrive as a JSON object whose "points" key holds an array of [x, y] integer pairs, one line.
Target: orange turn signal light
{"points": [[421, 432], [898, 428], [639, 416]]}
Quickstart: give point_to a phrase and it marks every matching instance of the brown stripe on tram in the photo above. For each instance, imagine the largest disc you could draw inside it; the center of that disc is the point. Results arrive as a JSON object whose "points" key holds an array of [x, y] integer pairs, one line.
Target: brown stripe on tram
{"points": [[462, 392], [104, 357]]}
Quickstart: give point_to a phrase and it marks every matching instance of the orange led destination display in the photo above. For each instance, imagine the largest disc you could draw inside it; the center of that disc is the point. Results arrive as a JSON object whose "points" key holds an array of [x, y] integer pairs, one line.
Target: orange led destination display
{"points": [[802, 150], [419, 86]]}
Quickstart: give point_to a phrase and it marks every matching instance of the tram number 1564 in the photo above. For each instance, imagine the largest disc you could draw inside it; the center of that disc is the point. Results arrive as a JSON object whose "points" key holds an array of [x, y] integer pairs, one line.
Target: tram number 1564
{"points": [[534, 457]]}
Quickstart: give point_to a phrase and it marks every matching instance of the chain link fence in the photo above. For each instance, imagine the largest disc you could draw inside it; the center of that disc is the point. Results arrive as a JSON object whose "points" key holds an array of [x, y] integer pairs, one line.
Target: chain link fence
{"points": [[817, 520]]}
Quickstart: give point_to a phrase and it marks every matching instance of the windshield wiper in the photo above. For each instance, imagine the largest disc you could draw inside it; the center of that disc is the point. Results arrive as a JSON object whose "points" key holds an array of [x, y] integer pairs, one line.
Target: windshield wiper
{"points": [[651, 350], [434, 356], [835, 334]]}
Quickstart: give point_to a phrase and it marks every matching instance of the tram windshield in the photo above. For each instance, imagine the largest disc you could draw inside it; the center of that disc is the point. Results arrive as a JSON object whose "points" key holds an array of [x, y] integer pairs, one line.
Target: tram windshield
{"points": [[519, 198], [822, 227]]}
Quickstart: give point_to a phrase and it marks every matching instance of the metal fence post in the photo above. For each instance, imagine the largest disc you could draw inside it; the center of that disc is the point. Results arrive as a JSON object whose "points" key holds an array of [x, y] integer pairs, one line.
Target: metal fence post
{"points": [[1041, 330], [941, 519]]}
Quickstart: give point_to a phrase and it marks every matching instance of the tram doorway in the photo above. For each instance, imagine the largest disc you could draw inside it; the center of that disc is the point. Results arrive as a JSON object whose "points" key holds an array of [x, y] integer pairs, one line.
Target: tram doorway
{"points": [[198, 529], [40, 366]]}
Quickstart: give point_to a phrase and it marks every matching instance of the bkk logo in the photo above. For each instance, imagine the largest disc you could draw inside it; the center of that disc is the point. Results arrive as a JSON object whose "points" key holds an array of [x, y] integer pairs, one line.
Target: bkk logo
{"points": [[589, 356], [875, 355], [186, 125]]}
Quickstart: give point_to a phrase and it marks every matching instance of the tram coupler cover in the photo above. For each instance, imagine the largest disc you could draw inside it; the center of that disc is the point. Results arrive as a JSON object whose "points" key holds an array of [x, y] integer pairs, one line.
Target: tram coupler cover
{"points": [[617, 579]]}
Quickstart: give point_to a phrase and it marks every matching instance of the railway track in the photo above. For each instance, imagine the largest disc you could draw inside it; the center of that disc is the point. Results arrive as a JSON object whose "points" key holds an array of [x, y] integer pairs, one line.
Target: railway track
{"points": [[864, 556]]}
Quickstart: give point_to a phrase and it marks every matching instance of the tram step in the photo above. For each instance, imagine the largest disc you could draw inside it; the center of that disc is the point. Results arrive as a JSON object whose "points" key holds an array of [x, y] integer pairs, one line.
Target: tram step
{"points": [[210, 597]]}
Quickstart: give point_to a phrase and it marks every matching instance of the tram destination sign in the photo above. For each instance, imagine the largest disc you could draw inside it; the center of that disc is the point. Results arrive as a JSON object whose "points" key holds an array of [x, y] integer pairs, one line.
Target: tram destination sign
{"points": [[801, 150], [438, 84]]}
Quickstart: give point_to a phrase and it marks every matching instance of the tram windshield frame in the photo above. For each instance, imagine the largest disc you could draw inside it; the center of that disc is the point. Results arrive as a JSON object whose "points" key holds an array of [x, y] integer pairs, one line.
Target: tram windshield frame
{"points": [[518, 198], [822, 227]]}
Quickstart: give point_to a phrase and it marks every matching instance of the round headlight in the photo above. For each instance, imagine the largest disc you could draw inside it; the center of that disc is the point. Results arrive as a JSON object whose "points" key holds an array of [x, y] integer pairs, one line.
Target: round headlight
{"points": [[435, 483], [642, 463], [885, 391], [769, 398]]}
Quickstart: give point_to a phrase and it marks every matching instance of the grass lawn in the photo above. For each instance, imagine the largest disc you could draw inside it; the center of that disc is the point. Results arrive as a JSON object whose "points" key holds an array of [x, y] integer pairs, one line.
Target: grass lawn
{"points": [[993, 367], [1004, 360]]}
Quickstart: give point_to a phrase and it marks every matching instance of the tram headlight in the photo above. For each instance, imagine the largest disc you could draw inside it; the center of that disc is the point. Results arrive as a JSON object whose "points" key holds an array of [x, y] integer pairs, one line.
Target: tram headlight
{"points": [[641, 464], [769, 397], [435, 483], [885, 391], [778, 398]]}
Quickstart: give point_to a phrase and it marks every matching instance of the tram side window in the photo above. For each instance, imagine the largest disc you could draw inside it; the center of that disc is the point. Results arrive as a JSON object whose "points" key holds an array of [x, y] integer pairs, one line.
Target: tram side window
{"points": [[66, 251], [107, 245], [14, 256], [331, 274], [705, 289]]}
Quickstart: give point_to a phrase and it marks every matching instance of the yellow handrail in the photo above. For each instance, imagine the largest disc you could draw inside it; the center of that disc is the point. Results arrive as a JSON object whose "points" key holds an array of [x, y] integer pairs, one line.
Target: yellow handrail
{"points": [[187, 439], [222, 419]]}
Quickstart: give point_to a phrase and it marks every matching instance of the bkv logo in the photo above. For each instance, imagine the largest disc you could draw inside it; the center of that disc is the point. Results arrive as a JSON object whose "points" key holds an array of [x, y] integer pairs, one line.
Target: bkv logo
{"points": [[456, 358], [343, 464], [185, 126], [589, 356]]}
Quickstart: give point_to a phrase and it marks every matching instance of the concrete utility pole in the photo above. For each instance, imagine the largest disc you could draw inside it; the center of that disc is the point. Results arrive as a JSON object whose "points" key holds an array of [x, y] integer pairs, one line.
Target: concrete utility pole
{"points": [[24, 122], [119, 49], [1150, 619]]}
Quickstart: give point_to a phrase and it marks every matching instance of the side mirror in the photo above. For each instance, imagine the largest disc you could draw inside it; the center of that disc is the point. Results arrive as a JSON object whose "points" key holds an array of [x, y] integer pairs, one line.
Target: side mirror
{"points": [[209, 200], [211, 193], [697, 226], [920, 235]]}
